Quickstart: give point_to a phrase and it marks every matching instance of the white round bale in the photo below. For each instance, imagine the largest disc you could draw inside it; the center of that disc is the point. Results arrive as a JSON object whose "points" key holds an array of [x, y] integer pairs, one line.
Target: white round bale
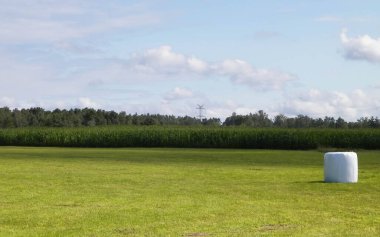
{"points": [[341, 167]]}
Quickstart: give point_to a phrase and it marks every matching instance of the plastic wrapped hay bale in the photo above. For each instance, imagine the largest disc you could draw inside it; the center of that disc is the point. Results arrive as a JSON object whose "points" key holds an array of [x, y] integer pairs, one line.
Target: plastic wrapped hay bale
{"points": [[341, 167]]}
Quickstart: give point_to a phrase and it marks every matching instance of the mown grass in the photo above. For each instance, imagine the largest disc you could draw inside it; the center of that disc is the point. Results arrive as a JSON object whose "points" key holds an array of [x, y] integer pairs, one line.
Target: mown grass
{"points": [[182, 192]]}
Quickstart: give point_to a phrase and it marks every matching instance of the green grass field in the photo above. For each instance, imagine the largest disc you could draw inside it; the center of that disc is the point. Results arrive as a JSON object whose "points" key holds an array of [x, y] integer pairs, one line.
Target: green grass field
{"points": [[182, 192]]}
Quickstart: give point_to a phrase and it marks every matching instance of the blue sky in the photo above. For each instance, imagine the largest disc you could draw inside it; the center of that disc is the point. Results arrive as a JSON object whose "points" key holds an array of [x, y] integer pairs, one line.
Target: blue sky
{"points": [[319, 58]]}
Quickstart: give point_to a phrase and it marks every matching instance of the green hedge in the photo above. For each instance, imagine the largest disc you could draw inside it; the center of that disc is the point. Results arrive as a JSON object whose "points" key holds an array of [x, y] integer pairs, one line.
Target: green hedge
{"points": [[214, 137]]}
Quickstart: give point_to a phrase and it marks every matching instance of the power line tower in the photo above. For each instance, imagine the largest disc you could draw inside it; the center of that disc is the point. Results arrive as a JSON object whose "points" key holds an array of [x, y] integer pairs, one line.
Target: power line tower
{"points": [[200, 109]]}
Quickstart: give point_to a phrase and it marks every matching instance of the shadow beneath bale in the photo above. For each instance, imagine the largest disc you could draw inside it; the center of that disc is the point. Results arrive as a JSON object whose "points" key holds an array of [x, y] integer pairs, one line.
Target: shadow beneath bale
{"points": [[310, 182], [316, 182]]}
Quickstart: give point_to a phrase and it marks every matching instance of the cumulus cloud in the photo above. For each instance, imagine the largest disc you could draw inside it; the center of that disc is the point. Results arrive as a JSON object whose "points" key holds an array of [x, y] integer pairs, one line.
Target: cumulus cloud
{"points": [[242, 72], [87, 102], [163, 63], [317, 103], [197, 65], [164, 60], [361, 48]]}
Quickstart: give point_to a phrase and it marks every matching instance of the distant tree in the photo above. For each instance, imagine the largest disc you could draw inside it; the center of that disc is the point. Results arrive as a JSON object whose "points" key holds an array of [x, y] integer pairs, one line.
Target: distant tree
{"points": [[36, 116], [340, 123], [329, 122], [303, 121], [212, 122], [280, 121], [19, 118], [234, 120], [318, 123], [6, 118], [89, 117], [149, 120]]}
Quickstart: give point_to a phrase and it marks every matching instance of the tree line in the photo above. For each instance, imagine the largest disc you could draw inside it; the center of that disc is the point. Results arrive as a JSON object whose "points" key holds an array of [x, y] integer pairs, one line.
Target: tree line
{"points": [[38, 117], [262, 120]]}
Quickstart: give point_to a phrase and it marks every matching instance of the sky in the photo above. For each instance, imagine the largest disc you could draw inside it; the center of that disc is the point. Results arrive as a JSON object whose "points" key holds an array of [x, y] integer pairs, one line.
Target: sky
{"points": [[316, 58]]}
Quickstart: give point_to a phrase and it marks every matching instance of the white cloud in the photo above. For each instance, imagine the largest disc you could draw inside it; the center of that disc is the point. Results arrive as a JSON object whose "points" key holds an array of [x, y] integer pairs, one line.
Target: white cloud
{"points": [[242, 72], [197, 65], [160, 59], [361, 48], [13, 103], [178, 93], [49, 104], [224, 108], [23, 21], [318, 103], [314, 103], [87, 102], [164, 60], [7, 102]]}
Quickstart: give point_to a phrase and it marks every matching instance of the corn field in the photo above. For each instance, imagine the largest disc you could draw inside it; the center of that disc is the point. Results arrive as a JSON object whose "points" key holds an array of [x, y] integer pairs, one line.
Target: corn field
{"points": [[192, 137]]}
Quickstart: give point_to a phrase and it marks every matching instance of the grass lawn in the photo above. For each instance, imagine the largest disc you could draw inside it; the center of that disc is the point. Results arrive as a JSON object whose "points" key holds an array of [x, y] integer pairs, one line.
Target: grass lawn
{"points": [[182, 192]]}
